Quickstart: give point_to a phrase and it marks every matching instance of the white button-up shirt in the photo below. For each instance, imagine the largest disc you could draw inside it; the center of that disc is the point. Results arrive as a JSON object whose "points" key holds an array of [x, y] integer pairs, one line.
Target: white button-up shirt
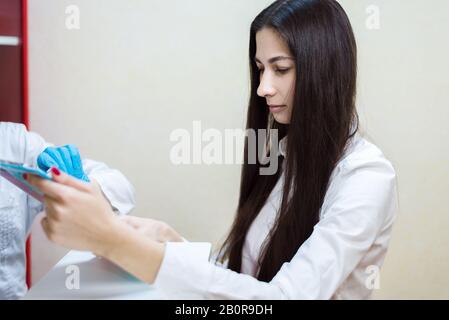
{"points": [[18, 210], [340, 260]]}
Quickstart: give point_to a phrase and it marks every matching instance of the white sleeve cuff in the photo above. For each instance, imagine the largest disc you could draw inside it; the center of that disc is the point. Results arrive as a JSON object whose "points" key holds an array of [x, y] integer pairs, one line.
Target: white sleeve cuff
{"points": [[184, 270], [186, 273]]}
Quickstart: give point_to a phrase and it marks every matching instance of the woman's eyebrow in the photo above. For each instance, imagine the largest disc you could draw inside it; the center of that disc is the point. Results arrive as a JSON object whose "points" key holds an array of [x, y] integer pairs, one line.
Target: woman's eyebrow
{"points": [[275, 59]]}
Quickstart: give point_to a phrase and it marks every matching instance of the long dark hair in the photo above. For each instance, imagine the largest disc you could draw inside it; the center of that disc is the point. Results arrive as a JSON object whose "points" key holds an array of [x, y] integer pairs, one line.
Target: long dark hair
{"points": [[321, 40]]}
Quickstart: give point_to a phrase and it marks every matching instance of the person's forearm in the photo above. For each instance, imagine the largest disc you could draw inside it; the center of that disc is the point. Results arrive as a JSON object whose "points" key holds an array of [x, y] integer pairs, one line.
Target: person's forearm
{"points": [[134, 252]]}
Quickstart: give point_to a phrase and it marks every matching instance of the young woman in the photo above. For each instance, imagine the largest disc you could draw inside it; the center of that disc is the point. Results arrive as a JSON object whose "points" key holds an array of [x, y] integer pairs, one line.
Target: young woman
{"points": [[18, 210], [317, 229]]}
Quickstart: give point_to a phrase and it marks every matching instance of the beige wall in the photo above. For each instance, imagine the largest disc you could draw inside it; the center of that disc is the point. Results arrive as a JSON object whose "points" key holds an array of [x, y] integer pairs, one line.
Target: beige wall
{"points": [[137, 70], [404, 98]]}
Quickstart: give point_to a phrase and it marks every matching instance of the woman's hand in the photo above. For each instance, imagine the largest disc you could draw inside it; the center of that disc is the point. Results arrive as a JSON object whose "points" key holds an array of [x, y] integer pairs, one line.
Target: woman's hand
{"points": [[154, 229], [78, 216]]}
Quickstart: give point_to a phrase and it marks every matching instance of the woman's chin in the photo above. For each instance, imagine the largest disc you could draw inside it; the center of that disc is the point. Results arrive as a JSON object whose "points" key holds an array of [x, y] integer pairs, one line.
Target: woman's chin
{"points": [[281, 118]]}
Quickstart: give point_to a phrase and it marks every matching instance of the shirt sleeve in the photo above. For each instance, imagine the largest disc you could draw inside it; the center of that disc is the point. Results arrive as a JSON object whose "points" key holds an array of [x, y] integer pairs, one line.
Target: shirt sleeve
{"points": [[19, 145], [114, 185], [360, 203], [24, 147]]}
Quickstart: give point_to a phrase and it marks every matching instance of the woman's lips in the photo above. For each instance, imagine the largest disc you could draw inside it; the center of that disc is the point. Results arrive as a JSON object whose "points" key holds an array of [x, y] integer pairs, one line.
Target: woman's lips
{"points": [[276, 109]]}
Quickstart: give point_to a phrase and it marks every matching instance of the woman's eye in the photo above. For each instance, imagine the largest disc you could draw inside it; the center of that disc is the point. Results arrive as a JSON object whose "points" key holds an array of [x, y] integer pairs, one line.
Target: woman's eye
{"points": [[282, 70]]}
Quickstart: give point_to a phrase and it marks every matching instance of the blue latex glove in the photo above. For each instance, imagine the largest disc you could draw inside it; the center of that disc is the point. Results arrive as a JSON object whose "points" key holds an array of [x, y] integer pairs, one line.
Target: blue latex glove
{"points": [[66, 159]]}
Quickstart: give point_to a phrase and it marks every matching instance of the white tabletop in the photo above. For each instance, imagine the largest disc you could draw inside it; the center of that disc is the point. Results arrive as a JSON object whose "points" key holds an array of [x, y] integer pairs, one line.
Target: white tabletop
{"points": [[98, 279]]}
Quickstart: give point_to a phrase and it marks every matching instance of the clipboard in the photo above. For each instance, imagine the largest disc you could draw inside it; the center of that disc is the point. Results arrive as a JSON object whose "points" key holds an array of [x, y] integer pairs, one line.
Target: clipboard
{"points": [[13, 172]]}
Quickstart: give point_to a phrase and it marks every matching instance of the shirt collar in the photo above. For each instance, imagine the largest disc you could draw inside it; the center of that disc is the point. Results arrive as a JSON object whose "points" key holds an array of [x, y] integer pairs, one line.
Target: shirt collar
{"points": [[283, 146]]}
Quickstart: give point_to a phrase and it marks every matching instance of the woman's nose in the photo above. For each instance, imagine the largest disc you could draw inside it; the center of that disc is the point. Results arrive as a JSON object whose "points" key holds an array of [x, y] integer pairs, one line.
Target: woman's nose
{"points": [[266, 87]]}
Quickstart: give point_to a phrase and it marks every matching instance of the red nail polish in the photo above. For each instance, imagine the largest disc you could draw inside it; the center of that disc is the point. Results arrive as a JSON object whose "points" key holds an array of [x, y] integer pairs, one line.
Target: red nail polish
{"points": [[55, 171], [25, 176]]}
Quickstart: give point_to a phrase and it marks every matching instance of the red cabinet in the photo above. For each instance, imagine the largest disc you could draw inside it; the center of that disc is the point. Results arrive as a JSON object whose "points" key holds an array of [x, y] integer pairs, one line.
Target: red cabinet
{"points": [[11, 61]]}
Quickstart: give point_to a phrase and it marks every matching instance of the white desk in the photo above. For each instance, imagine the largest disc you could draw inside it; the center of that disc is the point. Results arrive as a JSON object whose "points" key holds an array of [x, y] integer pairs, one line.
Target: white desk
{"points": [[99, 279]]}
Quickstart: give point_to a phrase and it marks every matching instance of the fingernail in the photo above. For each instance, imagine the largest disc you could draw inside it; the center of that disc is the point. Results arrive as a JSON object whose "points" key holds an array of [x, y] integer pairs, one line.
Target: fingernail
{"points": [[25, 176], [55, 171]]}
